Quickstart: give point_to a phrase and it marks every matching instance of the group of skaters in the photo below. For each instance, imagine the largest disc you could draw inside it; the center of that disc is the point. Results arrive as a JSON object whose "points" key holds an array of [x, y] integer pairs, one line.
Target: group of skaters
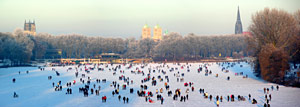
{"points": [[268, 96], [89, 89], [125, 99]]}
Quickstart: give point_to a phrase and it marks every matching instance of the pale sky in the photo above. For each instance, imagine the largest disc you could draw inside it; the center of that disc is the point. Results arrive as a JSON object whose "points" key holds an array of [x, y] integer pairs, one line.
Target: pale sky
{"points": [[125, 18]]}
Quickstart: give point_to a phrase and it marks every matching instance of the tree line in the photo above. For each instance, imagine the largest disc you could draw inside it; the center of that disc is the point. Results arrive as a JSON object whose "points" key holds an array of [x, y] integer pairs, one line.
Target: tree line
{"points": [[20, 48]]}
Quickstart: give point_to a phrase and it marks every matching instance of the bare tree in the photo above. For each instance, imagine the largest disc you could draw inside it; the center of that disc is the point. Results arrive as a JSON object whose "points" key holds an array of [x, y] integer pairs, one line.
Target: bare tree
{"points": [[273, 31]]}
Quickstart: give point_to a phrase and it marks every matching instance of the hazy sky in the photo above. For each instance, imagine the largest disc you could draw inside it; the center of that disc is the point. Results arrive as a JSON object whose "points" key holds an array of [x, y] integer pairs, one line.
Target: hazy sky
{"points": [[125, 18]]}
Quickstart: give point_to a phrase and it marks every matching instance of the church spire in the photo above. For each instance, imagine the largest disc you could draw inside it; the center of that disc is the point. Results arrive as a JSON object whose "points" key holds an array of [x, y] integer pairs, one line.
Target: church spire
{"points": [[238, 24], [238, 14]]}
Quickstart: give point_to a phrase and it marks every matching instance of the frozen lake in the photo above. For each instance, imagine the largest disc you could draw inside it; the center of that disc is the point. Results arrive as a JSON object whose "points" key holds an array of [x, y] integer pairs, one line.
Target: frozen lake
{"points": [[35, 90]]}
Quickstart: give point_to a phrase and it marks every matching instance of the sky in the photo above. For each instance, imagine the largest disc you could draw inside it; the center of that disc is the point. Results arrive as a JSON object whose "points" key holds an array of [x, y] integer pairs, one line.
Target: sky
{"points": [[126, 18]]}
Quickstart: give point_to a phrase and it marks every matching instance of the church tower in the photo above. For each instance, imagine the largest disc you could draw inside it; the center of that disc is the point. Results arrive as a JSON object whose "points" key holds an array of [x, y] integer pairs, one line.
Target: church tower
{"points": [[157, 33], [29, 28], [238, 24], [146, 32]]}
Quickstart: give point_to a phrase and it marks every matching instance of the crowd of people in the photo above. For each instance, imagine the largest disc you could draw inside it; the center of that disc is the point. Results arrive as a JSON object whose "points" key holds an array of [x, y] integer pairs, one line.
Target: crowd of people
{"points": [[89, 85]]}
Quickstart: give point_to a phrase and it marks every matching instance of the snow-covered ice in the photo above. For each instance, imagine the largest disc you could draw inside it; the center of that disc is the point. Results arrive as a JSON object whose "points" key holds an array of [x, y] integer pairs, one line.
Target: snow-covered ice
{"points": [[35, 90]]}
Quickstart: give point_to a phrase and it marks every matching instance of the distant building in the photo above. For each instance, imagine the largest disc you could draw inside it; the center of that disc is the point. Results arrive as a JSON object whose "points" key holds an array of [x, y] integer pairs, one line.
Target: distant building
{"points": [[238, 24], [29, 28], [146, 32], [157, 33]]}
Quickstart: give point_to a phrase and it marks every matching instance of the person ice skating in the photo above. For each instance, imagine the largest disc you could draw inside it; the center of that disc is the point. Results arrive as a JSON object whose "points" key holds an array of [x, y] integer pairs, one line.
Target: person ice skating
{"points": [[267, 90], [181, 98], [249, 96], [187, 97], [218, 103], [210, 97], [16, 95], [13, 80], [67, 91], [150, 100], [221, 98], [270, 97], [272, 87], [266, 97], [119, 97], [104, 99], [254, 101], [228, 98], [124, 99], [127, 99], [264, 90], [277, 87]]}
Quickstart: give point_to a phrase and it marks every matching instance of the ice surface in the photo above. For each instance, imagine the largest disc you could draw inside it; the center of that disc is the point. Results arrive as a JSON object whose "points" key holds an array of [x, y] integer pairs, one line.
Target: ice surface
{"points": [[35, 90]]}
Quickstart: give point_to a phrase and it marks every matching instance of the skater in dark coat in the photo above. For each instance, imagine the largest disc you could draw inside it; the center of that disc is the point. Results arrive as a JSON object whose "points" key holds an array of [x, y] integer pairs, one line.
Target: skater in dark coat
{"points": [[266, 97], [210, 97], [13, 80], [187, 97], [249, 96], [113, 93], [254, 101], [181, 98], [119, 97], [124, 99], [16, 95], [228, 98]]}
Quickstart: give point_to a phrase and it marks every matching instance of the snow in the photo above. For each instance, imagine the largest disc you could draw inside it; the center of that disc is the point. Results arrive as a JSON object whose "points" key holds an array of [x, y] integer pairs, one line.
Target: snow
{"points": [[34, 89]]}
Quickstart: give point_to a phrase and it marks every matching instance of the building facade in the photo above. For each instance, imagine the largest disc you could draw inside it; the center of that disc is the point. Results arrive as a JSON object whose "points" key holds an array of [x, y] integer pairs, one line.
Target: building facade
{"points": [[30, 28], [146, 32], [157, 33], [238, 24]]}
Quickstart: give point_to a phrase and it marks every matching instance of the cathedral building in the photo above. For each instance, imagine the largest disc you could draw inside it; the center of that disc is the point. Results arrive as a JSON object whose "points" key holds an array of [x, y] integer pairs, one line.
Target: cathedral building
{"points": [[146, 32], [157, 33], [29, 28], [238, 24]]}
